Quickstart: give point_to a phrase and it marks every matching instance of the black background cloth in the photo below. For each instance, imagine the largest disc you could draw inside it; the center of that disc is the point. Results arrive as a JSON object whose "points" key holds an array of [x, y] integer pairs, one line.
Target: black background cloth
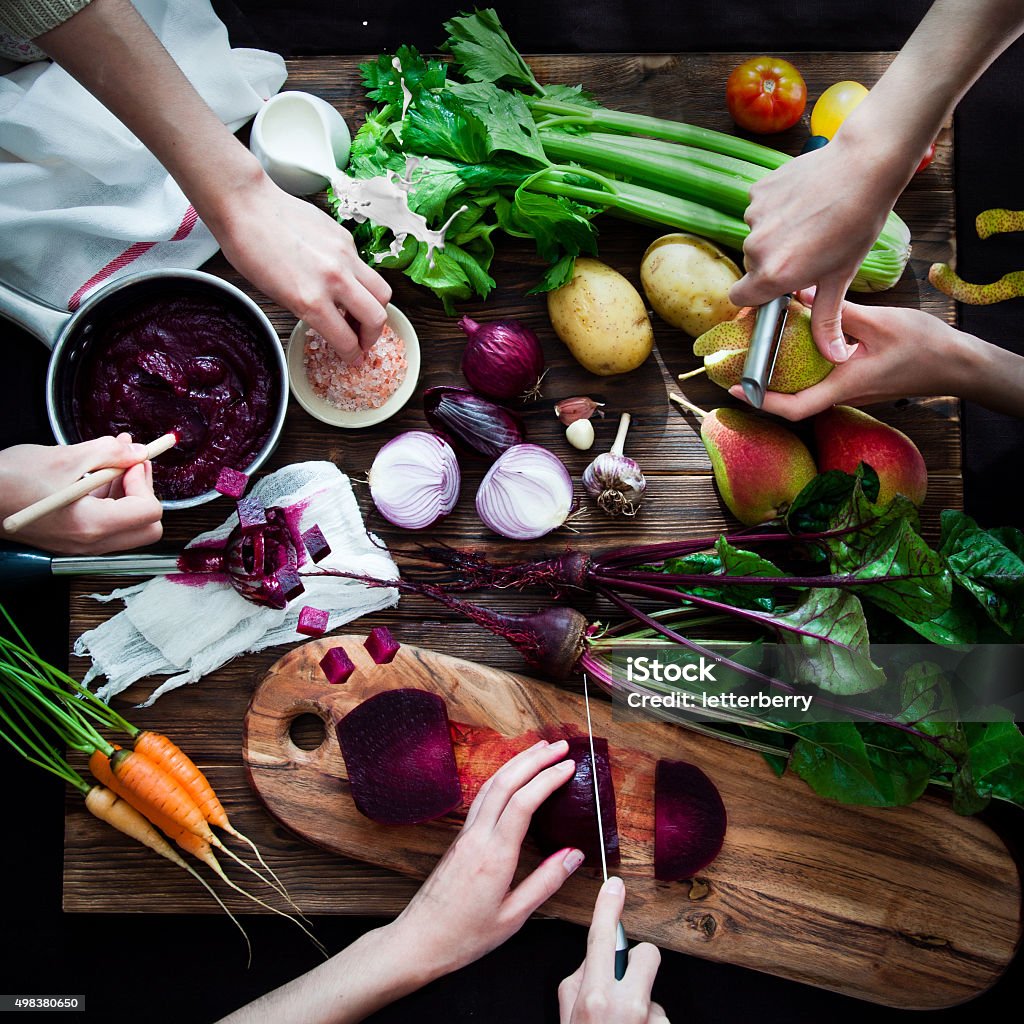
{"points": [[189, 968]]}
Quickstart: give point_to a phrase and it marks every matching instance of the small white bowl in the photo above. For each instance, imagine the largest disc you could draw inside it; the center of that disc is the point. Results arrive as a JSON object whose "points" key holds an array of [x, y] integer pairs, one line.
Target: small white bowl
{"points": [[304, 394]]}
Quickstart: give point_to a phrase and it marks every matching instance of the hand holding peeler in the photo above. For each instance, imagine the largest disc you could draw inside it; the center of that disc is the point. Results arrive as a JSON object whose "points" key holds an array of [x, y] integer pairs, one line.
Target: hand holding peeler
{"points": [[769, 324], [621, 945]]}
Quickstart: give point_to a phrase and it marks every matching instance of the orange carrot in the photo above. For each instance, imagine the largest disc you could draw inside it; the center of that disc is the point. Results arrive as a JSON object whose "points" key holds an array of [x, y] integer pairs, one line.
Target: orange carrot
{"points": [[166, 754], [153, 790], [176, 763]]}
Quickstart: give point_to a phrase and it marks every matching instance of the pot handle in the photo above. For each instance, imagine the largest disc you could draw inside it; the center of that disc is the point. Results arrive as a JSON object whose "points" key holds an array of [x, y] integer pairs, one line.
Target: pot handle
{"points": [[39, 319]]}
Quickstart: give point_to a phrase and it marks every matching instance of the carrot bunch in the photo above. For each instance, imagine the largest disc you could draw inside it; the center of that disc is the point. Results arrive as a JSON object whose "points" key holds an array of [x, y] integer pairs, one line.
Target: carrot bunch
{"points": [[149, 789]]}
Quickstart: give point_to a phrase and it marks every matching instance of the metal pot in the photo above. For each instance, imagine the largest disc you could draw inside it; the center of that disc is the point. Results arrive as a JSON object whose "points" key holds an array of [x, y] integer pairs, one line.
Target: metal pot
{"points": [[69, 337]]}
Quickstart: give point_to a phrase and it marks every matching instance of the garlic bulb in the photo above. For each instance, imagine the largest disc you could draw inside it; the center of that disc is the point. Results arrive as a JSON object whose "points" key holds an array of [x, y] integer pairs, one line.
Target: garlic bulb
{"points": [[615, 480]]}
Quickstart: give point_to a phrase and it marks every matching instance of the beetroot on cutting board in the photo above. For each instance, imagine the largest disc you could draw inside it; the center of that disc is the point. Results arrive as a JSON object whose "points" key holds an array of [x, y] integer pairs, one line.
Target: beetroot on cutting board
{"points": [[689, 820], [399, 757], [568, 817]]}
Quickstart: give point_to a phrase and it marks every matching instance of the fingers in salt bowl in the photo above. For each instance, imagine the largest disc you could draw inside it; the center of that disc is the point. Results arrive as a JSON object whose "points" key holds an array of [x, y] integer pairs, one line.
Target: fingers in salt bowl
{"points": [[526, 494], [415, 480]]}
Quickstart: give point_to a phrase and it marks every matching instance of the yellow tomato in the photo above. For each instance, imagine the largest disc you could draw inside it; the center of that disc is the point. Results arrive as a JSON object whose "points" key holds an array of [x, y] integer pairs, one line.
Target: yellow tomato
{"points": [[833, 107]]}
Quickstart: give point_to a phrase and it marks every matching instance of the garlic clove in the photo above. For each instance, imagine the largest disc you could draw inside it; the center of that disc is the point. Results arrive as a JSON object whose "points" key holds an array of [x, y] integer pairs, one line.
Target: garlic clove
{"points": [[569, 410], [580, 434]]}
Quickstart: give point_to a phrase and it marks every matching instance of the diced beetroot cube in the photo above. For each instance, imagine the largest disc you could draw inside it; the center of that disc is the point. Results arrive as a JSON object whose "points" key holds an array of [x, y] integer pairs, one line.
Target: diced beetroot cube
{"points": [[231, 482], [251, 514], [316, 543], [290, 583], [382, 645], [312, 621], [337, 665]]}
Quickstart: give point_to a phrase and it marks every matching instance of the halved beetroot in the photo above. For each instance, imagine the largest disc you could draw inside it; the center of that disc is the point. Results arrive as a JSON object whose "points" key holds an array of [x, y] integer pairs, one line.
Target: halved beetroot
{"points": [[689, 820], [569, 818], [399, 757]]}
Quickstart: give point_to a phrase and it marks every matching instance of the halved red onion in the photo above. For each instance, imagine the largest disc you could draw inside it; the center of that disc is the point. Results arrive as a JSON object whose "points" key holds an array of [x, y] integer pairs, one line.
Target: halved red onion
{"points": [[525, 494], [474, 423], [415, 480], [503, 359]]}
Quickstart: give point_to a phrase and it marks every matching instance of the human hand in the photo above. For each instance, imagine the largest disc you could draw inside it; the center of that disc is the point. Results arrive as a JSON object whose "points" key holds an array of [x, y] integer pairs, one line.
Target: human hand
{"points": [[896, 353], [465, 908], [592, 995], [306, 261], [812, 222], [123, 514]]}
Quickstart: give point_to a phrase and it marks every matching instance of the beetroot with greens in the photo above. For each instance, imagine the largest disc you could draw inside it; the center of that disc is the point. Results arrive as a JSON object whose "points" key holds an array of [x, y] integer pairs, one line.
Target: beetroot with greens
{"points": [[337, 665], [689, 821], [399, 757], [569, 818], [382, 645]]}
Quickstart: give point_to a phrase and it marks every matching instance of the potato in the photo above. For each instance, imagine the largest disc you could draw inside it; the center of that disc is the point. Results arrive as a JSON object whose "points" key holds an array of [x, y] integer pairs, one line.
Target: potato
{"points": [[687, 281], [602, 319]]}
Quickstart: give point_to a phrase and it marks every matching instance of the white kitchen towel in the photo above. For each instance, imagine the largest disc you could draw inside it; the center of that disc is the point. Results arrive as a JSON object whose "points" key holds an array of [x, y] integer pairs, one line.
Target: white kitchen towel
{"points": [[82, 201], [172, 625]]}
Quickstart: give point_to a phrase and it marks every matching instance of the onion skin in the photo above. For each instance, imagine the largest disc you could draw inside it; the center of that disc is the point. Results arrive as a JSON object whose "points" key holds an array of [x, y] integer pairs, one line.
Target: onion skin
{"points": [[474, 424], [503, 359]]}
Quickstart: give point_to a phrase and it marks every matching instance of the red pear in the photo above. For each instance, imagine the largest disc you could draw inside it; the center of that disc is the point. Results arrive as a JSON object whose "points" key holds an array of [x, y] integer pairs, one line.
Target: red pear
{"points": [[846, 437]]}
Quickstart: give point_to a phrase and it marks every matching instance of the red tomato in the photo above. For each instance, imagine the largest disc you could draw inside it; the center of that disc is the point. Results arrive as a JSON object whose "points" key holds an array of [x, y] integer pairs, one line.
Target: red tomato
{"points": [[766, 94], [926, 159]]}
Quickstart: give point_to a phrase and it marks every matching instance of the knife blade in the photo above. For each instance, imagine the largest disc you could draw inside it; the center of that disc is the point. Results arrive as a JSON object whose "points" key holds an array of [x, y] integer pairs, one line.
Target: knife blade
{"points": [[621, 945], [763, 350]]}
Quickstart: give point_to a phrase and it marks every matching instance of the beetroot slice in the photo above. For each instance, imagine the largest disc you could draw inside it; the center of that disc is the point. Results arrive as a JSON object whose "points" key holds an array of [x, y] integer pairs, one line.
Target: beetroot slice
{"points": [[312, 621], [381, 645], [290, 583], [689, 821], [231, 483], [399, 757], [316, 543], [251, 514], [569, 818], [337, 665]]}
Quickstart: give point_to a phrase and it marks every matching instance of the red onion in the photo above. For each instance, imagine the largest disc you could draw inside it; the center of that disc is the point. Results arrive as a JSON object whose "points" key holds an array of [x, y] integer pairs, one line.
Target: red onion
{"points": [[525, 494], [415, 479], [503, 359], [474, 423]]}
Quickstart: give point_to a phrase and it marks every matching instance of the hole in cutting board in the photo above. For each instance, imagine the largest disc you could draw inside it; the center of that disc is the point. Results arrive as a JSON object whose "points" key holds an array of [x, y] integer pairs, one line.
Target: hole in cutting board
{"points": [[307, 731]]}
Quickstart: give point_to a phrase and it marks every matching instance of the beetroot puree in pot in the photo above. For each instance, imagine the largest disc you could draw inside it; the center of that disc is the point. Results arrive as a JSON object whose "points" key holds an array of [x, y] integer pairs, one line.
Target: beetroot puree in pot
{"points": [[185, 364]]}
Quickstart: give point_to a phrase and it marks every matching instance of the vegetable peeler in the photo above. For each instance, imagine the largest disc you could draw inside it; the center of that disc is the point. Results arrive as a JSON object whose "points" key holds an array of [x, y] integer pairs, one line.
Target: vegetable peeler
{"points": [[769, 324], [23, 565], [621, 945]]}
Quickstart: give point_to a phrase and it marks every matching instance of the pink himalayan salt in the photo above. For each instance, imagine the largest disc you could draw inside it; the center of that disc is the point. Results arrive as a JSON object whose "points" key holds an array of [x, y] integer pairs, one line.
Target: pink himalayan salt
{"points": [[355, 389]]}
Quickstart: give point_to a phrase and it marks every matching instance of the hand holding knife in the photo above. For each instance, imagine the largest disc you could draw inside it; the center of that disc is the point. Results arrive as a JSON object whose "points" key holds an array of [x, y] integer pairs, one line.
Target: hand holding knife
{"points": [[621, 945]]}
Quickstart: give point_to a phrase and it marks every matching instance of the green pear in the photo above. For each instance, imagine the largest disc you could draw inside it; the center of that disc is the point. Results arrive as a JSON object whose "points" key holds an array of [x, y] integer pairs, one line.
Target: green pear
{"points": [[759, 465], [845, 437], [798, 364]]}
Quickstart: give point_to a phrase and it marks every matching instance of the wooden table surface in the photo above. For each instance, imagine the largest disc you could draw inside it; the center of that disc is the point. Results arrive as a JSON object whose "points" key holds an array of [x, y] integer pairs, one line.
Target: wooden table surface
{"points": [[101, 867]]}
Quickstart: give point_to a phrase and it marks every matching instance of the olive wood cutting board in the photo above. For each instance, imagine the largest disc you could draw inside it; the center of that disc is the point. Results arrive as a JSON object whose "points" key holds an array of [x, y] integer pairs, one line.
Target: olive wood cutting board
{"points": [[913, 907]]}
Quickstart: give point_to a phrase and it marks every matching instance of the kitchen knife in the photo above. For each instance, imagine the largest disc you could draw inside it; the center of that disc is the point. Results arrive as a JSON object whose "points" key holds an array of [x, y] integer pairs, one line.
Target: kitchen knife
{"points": [[769, 323], [621, 945], [24, 565]]}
